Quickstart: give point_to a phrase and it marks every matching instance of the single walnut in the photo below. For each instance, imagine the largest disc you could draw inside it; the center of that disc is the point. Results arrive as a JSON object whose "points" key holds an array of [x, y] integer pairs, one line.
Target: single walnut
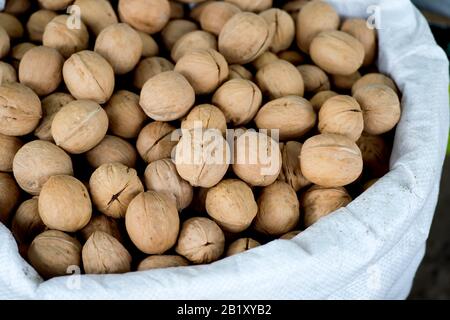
{"points": [[36, 162], [201, 241], [374, 78], [314, 78], [79, 126], [64, 204], [150, 67], [5, 43], [96, 14], [197, 9], [101, 222], [125, 115], [67, 41], [17, 51], [264, 59], [239, 100], [205, 116], [319, 99], [291, 172], [241, 245], [216, 14], [381, 108], [257, 159], [160, 261], [102, 253], [290, 235], [156, 141], [17, 7], [279, 209], [279, 79], [7, 73], [26, 222], [331, 160], [284, 28], [152, 222], [367, 36], [9, 146], [251, 5], [318, 202], [341, 115], [375, 155], [193, 41], [112, 187], [9, 196], [112, 149], [175, 29], [244, 38], [232, 205], [53, 253], [12, 25], [37, 22], [20, 109], [345, 82], [293, 116], [145, 15], [150, 47], [239, 72]]}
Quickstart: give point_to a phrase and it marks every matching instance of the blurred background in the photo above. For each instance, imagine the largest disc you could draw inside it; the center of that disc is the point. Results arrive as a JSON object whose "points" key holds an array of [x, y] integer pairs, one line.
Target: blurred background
{"points": [[433, 278]]}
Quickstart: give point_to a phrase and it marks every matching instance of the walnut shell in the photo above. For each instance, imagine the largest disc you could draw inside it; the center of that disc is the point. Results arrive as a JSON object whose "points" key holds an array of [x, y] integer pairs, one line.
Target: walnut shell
{"points": [[96, 14], [294, 57], [231, 205], [9, 196], [64, 204], [89, 76], [167, 96], [205, 116], [20, 109], [17, 52], [152, 222], [251, 5], [53, 252], [112, 149], [236, 71], [54, 4], [26, 223], [102, 253], [9, 146], [197, 9], [101, 222], [293, 116], [36, 162], [112, 187], [318, 202], [284, 28], [160, 261], [290, 235], [341, 115], [79, 126], [150, 67], [319, 99], [216, 14], [241, 245], [150, 47], [264, 59], [257, 159], [314, 78], [176, 29], [17, 7], [193, 41], [239, 100], [381, 108], [145, 15], [244, 38], [156, 141], [374, 78], [201, 241], [375, 153], [12, 25], [331, 160], [279, 79], [37, 22], [345, 82], [291, 172], [367, 36], [279, 209], [5, 43], [7, 73]]}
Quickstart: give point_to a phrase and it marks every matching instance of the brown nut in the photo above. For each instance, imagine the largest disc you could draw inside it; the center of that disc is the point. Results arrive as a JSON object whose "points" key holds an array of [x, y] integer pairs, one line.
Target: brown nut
{"points": [[64, 204], [318, 202], [37, 22], [201, 241], [9, 146], [315, 17], [337, 52], [12, 25], [367, 36], [193, 41], [315, 79], [54, 4], [291, 172], [79, 126], [5, 43], [112, 187], [17, 51], [375, 155], [121, 46], [125, 115], [40, 69], [150, 47], [331, 160], [244, 38], [239, 100], [20, 109], [104, 254], [50, 107], [167, 96], [257, 159], [54, 253], [231, 205], [156, 141], [7, 73], [160, 262], [279, 209], [175, 29], [381, 108], [89, 76], [96, 14], [319, 99], [294, 57], [264, 59], [341, 115], [150, 67], [197, 9], [345, 82], [36, 162], [9, 196], [252, 5], [216, 14], [279, 79], [152, 222], [26, 223], [66, 40], [145, 15], [293, 116], [103, 223], [284, 28], [162, 176], [239, 72], [17, 7], [374, 78], [205, 116], [241, 245], [290, 235], [202, 157]]}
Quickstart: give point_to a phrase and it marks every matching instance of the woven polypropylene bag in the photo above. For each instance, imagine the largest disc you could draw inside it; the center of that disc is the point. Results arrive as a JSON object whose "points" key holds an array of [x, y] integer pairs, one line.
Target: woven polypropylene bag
{"points": [[371, 249]]}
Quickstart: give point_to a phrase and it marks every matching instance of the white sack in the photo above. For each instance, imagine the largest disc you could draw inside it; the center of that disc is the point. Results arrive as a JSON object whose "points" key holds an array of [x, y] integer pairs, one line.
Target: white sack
{"points": [[371, 249]]}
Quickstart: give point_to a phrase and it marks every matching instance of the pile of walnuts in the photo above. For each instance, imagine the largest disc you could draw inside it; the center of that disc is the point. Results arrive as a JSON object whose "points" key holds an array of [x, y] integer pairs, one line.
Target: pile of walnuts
{"points": [[142, 134]]}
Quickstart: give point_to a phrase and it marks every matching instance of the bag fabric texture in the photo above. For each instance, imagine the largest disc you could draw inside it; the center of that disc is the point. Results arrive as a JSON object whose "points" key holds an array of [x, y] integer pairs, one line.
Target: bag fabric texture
{"points": [[369, 250]]}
